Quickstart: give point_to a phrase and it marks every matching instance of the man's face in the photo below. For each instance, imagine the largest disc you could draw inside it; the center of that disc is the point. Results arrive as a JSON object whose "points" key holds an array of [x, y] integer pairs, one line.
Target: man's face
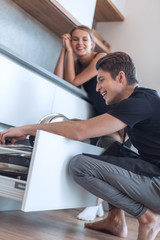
{"points": [[111, 89]]}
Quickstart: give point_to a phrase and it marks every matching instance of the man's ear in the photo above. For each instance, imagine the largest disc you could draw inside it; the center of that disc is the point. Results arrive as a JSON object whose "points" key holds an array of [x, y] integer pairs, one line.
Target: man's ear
{"points": [[122, 77]]}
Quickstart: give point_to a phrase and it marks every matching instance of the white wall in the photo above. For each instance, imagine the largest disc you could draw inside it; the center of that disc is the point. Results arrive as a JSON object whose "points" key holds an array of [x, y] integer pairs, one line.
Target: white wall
{"points": [[139, 36], [120, 4], [82, 11]]}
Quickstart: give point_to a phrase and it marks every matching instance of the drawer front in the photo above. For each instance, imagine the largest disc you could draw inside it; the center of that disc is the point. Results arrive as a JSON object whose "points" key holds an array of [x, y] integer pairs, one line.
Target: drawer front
{"points": [[12, 188], [70, 105], [49, 185], [25, 96]]}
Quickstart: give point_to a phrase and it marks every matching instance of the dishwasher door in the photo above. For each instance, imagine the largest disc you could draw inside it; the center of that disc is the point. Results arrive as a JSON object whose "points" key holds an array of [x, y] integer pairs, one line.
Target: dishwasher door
{"points": [[49, 185]]}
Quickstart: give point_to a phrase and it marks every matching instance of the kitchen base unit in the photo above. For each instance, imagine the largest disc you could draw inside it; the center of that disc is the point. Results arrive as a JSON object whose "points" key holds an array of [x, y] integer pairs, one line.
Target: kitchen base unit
{"points": [[49, 185]]}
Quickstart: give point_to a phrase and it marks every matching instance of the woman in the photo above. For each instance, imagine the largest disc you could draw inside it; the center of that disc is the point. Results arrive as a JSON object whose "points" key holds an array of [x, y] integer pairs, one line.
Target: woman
{"points": [[82, 72]]}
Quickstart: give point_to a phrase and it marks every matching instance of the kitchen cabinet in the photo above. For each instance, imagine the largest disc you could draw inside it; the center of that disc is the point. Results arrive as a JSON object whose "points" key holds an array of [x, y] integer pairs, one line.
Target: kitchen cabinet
{"points": [[27, 96], [56, 18], [71, 105], [49, 185]]}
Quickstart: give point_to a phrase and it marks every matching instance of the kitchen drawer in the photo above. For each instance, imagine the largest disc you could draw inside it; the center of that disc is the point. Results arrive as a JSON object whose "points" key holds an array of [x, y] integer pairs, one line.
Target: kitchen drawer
{"points": [[71, 105], [25, 96], [12, 188], [49, 185]]}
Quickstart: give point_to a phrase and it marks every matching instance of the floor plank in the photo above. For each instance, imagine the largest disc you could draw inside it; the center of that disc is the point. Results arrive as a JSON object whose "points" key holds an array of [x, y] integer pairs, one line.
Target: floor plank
{"points": [[57, 225]]}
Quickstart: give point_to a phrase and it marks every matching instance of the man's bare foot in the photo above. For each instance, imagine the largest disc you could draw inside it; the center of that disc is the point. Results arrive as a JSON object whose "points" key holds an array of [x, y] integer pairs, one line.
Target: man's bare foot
{"points": [[149, 226], [114, 223]]}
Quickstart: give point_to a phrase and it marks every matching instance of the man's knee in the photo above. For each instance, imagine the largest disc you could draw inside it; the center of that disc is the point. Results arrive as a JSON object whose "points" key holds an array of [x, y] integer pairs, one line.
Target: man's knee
{"points": [[75, 165]]}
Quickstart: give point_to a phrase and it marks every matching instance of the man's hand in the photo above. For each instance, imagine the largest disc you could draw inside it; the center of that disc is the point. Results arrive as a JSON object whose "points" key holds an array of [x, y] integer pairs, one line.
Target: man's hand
{"points": [[14, 133]]}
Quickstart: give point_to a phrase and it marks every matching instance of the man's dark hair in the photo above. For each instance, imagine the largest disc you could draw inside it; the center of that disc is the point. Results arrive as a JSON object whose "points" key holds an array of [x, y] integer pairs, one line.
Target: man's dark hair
{"points": [[116, 62]]}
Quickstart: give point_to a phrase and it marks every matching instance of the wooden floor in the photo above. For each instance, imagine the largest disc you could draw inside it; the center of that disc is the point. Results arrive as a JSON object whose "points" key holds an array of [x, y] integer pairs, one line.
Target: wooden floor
{"points": [[57, 225]]}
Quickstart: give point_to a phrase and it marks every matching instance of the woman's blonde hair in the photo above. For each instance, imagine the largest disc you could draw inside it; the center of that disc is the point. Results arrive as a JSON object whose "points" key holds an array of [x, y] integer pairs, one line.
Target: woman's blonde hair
{"points": [[86, 29]]}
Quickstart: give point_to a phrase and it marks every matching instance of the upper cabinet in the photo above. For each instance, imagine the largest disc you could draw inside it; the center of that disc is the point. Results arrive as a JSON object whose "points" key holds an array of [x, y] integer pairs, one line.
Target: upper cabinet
{"points": [[60, 19], [55, 17], [109, 10], [50, 13]]}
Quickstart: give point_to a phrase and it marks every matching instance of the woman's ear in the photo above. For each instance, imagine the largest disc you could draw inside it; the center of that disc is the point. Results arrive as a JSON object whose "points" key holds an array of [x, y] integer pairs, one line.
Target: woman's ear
{"points": [[92, 45]]}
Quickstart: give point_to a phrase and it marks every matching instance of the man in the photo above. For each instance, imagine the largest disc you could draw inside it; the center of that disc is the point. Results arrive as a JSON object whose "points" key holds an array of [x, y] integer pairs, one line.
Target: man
{"points": [[127, 184]]}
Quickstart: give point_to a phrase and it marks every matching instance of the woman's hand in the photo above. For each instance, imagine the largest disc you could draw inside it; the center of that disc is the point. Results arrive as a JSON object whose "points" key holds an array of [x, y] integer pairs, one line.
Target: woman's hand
{"points": [[66, 41], [13, 133]]}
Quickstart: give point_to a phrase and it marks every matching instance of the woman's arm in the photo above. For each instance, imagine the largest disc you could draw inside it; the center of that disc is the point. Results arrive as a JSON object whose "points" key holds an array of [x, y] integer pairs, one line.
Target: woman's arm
{"points": [[89, 72], [59, 69], [65, 68], [69, 71]]}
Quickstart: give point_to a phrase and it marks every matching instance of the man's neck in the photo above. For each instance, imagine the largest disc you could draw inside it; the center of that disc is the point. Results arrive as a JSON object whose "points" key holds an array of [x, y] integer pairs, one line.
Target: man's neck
{"points": [[129, 90]]}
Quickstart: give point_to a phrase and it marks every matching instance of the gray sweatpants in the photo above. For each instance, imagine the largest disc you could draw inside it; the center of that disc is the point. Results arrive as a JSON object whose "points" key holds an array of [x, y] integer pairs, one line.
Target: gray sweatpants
{"points": [[121, 188]]}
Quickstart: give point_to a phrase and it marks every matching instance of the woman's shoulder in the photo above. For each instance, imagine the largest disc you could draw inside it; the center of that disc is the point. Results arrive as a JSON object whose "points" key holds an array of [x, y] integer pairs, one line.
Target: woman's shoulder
{"points": [[99, 54]]}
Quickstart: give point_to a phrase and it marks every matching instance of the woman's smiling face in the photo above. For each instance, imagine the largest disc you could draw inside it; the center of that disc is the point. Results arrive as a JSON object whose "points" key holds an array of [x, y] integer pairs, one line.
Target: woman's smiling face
{"points": [[81, 42]]}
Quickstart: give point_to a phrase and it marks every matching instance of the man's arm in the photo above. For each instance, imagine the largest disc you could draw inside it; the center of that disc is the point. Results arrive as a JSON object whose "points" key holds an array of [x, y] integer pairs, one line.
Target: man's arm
{"points": [[77, 130]]}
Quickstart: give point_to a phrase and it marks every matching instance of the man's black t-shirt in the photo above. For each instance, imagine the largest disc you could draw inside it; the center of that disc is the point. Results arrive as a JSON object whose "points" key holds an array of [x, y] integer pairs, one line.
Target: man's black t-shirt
{"points": [[141, 113]]}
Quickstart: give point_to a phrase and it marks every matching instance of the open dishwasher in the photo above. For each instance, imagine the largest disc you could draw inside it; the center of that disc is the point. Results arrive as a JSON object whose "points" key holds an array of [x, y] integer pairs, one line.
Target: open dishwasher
{"points": [[44, 182]]}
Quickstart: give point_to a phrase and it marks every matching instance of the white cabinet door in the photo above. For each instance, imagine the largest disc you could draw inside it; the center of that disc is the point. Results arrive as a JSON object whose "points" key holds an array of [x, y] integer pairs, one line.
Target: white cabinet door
{"points": [[25, 95], [49, 185], [70, 105]]}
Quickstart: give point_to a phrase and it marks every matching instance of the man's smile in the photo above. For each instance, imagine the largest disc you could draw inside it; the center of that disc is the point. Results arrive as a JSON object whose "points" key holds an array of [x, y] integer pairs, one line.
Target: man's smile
{"points": [[104, 93]]}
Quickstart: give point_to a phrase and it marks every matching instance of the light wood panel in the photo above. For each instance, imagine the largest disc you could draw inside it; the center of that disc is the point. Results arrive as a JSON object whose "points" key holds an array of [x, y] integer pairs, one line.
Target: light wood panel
{"points": [[57, 225], [50, 13], [55, 17], [107, 11]]}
